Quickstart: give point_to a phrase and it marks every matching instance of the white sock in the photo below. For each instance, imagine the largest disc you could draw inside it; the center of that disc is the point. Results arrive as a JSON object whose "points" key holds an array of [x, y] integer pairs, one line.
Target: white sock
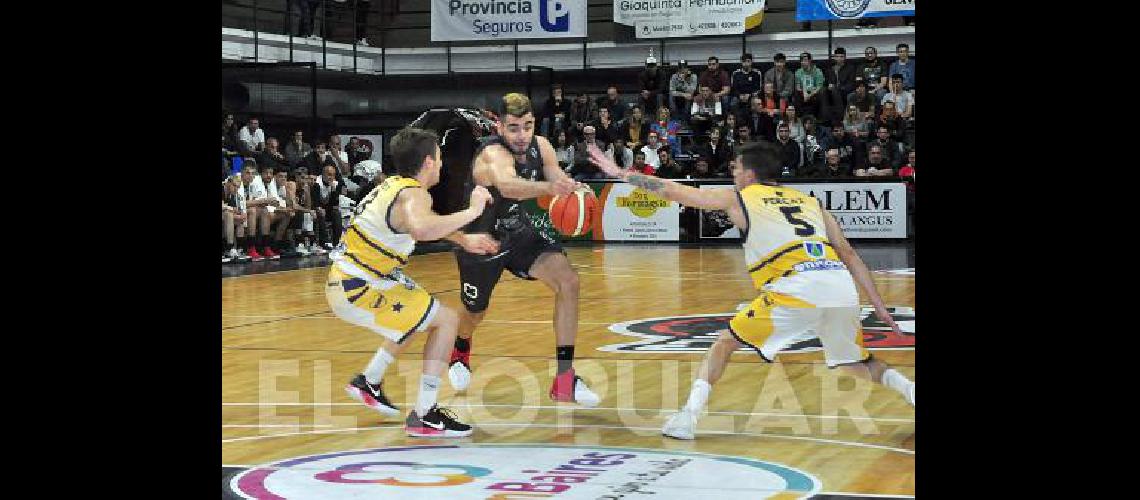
{"points": [[429, 387], [898, 382], [698, 396], [375, 369]]}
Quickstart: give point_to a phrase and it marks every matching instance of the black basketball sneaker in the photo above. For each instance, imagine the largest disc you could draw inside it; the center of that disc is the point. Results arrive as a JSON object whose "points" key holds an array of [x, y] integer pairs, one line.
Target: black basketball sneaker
{"points": [[436, 423], [371, 395]]}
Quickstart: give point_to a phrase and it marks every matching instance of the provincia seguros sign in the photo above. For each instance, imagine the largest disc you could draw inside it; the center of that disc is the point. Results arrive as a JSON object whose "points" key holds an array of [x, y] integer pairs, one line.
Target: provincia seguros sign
{"points": [[466, 20]]}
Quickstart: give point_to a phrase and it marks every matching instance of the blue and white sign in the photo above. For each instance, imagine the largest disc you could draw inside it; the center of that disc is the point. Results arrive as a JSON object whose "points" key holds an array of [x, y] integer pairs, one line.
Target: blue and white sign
{"points": [[822, 10], [464, 20]]}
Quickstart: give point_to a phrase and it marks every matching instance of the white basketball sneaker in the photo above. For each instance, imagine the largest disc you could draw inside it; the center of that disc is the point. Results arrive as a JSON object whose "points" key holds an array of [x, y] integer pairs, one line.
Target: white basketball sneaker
{"points": [[682, 425], [459, 375]]}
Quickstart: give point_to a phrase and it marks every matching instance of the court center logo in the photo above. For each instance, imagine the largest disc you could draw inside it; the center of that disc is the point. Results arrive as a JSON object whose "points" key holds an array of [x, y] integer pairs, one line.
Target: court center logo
{"points": [[480, 471], [554, 15], [848, 8], [696, 333]]}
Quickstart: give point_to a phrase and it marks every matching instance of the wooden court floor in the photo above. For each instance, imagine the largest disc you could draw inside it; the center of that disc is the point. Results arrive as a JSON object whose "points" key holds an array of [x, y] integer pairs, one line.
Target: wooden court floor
{"points": [[285, 360]]}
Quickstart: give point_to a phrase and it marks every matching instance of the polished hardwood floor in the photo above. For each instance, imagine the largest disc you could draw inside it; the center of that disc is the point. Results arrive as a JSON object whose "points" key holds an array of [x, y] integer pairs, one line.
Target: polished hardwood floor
{"points": [[286, 358]]}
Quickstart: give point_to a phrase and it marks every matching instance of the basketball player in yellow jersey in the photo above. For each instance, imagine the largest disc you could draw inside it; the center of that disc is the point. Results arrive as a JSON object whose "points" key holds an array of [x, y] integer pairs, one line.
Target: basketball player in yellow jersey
{"points": [[799, 261], [367, 287]]}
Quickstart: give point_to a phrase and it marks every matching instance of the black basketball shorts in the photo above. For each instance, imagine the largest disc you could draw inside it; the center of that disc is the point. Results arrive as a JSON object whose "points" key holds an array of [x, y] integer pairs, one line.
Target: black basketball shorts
{"points": [[478, 274]]}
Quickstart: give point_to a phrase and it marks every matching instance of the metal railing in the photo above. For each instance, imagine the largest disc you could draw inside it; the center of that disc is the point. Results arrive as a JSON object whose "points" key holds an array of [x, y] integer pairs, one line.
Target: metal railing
{"points": [[338, 18]]}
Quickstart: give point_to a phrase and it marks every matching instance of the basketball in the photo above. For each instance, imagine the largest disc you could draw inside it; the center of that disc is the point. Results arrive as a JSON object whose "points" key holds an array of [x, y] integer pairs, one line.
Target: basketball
{"points": [[573, 214]]}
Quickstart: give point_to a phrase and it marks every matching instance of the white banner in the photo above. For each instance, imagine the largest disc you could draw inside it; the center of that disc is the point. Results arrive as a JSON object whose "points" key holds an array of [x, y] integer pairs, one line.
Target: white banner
{"points": [[633, 214], [685, 18], [819, 10], [863, 209], [464, 20]]}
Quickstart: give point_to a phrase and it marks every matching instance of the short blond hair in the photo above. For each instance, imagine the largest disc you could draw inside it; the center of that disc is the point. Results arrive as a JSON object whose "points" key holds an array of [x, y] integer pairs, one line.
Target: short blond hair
{"points": [[516, 104]]}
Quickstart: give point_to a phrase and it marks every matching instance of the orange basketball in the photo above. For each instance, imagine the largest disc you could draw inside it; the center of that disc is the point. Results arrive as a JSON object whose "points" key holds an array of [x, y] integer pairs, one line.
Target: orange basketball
{"points": [[573, 214]]}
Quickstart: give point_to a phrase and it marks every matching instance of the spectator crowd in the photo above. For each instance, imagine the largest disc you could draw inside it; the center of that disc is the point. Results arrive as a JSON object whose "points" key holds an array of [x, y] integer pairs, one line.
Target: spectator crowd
{"points": [[292, 200], [833, 119]]}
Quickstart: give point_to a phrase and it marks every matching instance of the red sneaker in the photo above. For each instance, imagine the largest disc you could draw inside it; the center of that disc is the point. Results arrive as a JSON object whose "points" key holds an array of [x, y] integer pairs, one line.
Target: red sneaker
{"points": [[270, 254], [570, 388], [461, 356], [253, 255]]}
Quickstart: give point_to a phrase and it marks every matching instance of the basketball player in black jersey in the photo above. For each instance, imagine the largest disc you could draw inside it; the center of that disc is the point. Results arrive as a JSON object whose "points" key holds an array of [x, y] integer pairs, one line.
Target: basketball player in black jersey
{"points": [[513, 164], [516, 165]]}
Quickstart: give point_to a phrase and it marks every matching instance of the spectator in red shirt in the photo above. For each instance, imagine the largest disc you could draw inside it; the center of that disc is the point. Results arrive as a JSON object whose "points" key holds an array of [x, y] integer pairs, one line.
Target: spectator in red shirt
{"points": [[773, 104], [907, 175], [907, 172], [639, 164], [717, 80]]}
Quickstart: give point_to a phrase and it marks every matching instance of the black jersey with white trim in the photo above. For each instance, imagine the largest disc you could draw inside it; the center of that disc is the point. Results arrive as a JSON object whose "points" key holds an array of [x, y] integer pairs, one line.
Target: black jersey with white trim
{"points": [[506, 214]]}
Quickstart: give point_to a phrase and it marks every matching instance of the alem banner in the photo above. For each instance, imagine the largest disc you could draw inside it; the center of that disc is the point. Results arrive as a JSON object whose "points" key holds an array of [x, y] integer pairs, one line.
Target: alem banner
{"points": [[465, 20], [862, 209]]}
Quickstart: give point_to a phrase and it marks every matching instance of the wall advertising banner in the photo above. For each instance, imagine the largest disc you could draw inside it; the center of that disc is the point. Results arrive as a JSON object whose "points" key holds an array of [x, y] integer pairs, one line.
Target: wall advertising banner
{"points": [[685, 18], [625, 213], [823, 10], [862, 209], [464, 20]]}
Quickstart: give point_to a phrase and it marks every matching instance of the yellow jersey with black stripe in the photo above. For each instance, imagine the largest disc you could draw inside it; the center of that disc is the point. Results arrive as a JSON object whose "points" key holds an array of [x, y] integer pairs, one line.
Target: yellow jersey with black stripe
{"points": [[787, 249], [370, 247]]}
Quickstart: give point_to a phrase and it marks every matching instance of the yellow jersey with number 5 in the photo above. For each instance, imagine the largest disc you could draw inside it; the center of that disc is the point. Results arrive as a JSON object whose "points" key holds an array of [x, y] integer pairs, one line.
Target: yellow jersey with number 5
{"points": [[787, 250], [370, 247]]}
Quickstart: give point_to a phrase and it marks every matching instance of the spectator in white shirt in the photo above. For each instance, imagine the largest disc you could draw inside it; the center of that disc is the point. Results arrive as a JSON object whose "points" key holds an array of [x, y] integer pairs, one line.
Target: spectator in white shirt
{"points": [[706, 111], [263, 193], [903, 99], [257, 215], [650, 149], [251, 138], [233, 217]]}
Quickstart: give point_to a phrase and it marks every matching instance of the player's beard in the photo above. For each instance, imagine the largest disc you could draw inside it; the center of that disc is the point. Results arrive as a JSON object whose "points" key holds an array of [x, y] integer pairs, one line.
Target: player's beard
{"points": [[520, 151]]}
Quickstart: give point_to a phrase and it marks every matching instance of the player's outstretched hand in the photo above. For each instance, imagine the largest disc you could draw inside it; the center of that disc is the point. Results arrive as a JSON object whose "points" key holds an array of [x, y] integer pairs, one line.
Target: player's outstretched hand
{"points": [[479, 243], [480, 198], [563, 186], [604, 163], [885, 316]]}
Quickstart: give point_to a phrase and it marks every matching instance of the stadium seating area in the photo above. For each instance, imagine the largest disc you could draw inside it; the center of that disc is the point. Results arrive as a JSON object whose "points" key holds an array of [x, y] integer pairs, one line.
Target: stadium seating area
{"points": [[831, 119]]}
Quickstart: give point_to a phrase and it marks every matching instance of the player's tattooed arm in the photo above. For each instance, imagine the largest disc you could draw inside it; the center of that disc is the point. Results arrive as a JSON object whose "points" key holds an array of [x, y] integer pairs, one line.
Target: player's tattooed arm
{"points": [[646, 182], [714, 199]]}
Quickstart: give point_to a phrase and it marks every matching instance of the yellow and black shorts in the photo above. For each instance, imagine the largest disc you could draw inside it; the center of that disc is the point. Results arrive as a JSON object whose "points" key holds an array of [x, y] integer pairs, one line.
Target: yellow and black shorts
{"points": [[394, 309], [774, 320]]}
